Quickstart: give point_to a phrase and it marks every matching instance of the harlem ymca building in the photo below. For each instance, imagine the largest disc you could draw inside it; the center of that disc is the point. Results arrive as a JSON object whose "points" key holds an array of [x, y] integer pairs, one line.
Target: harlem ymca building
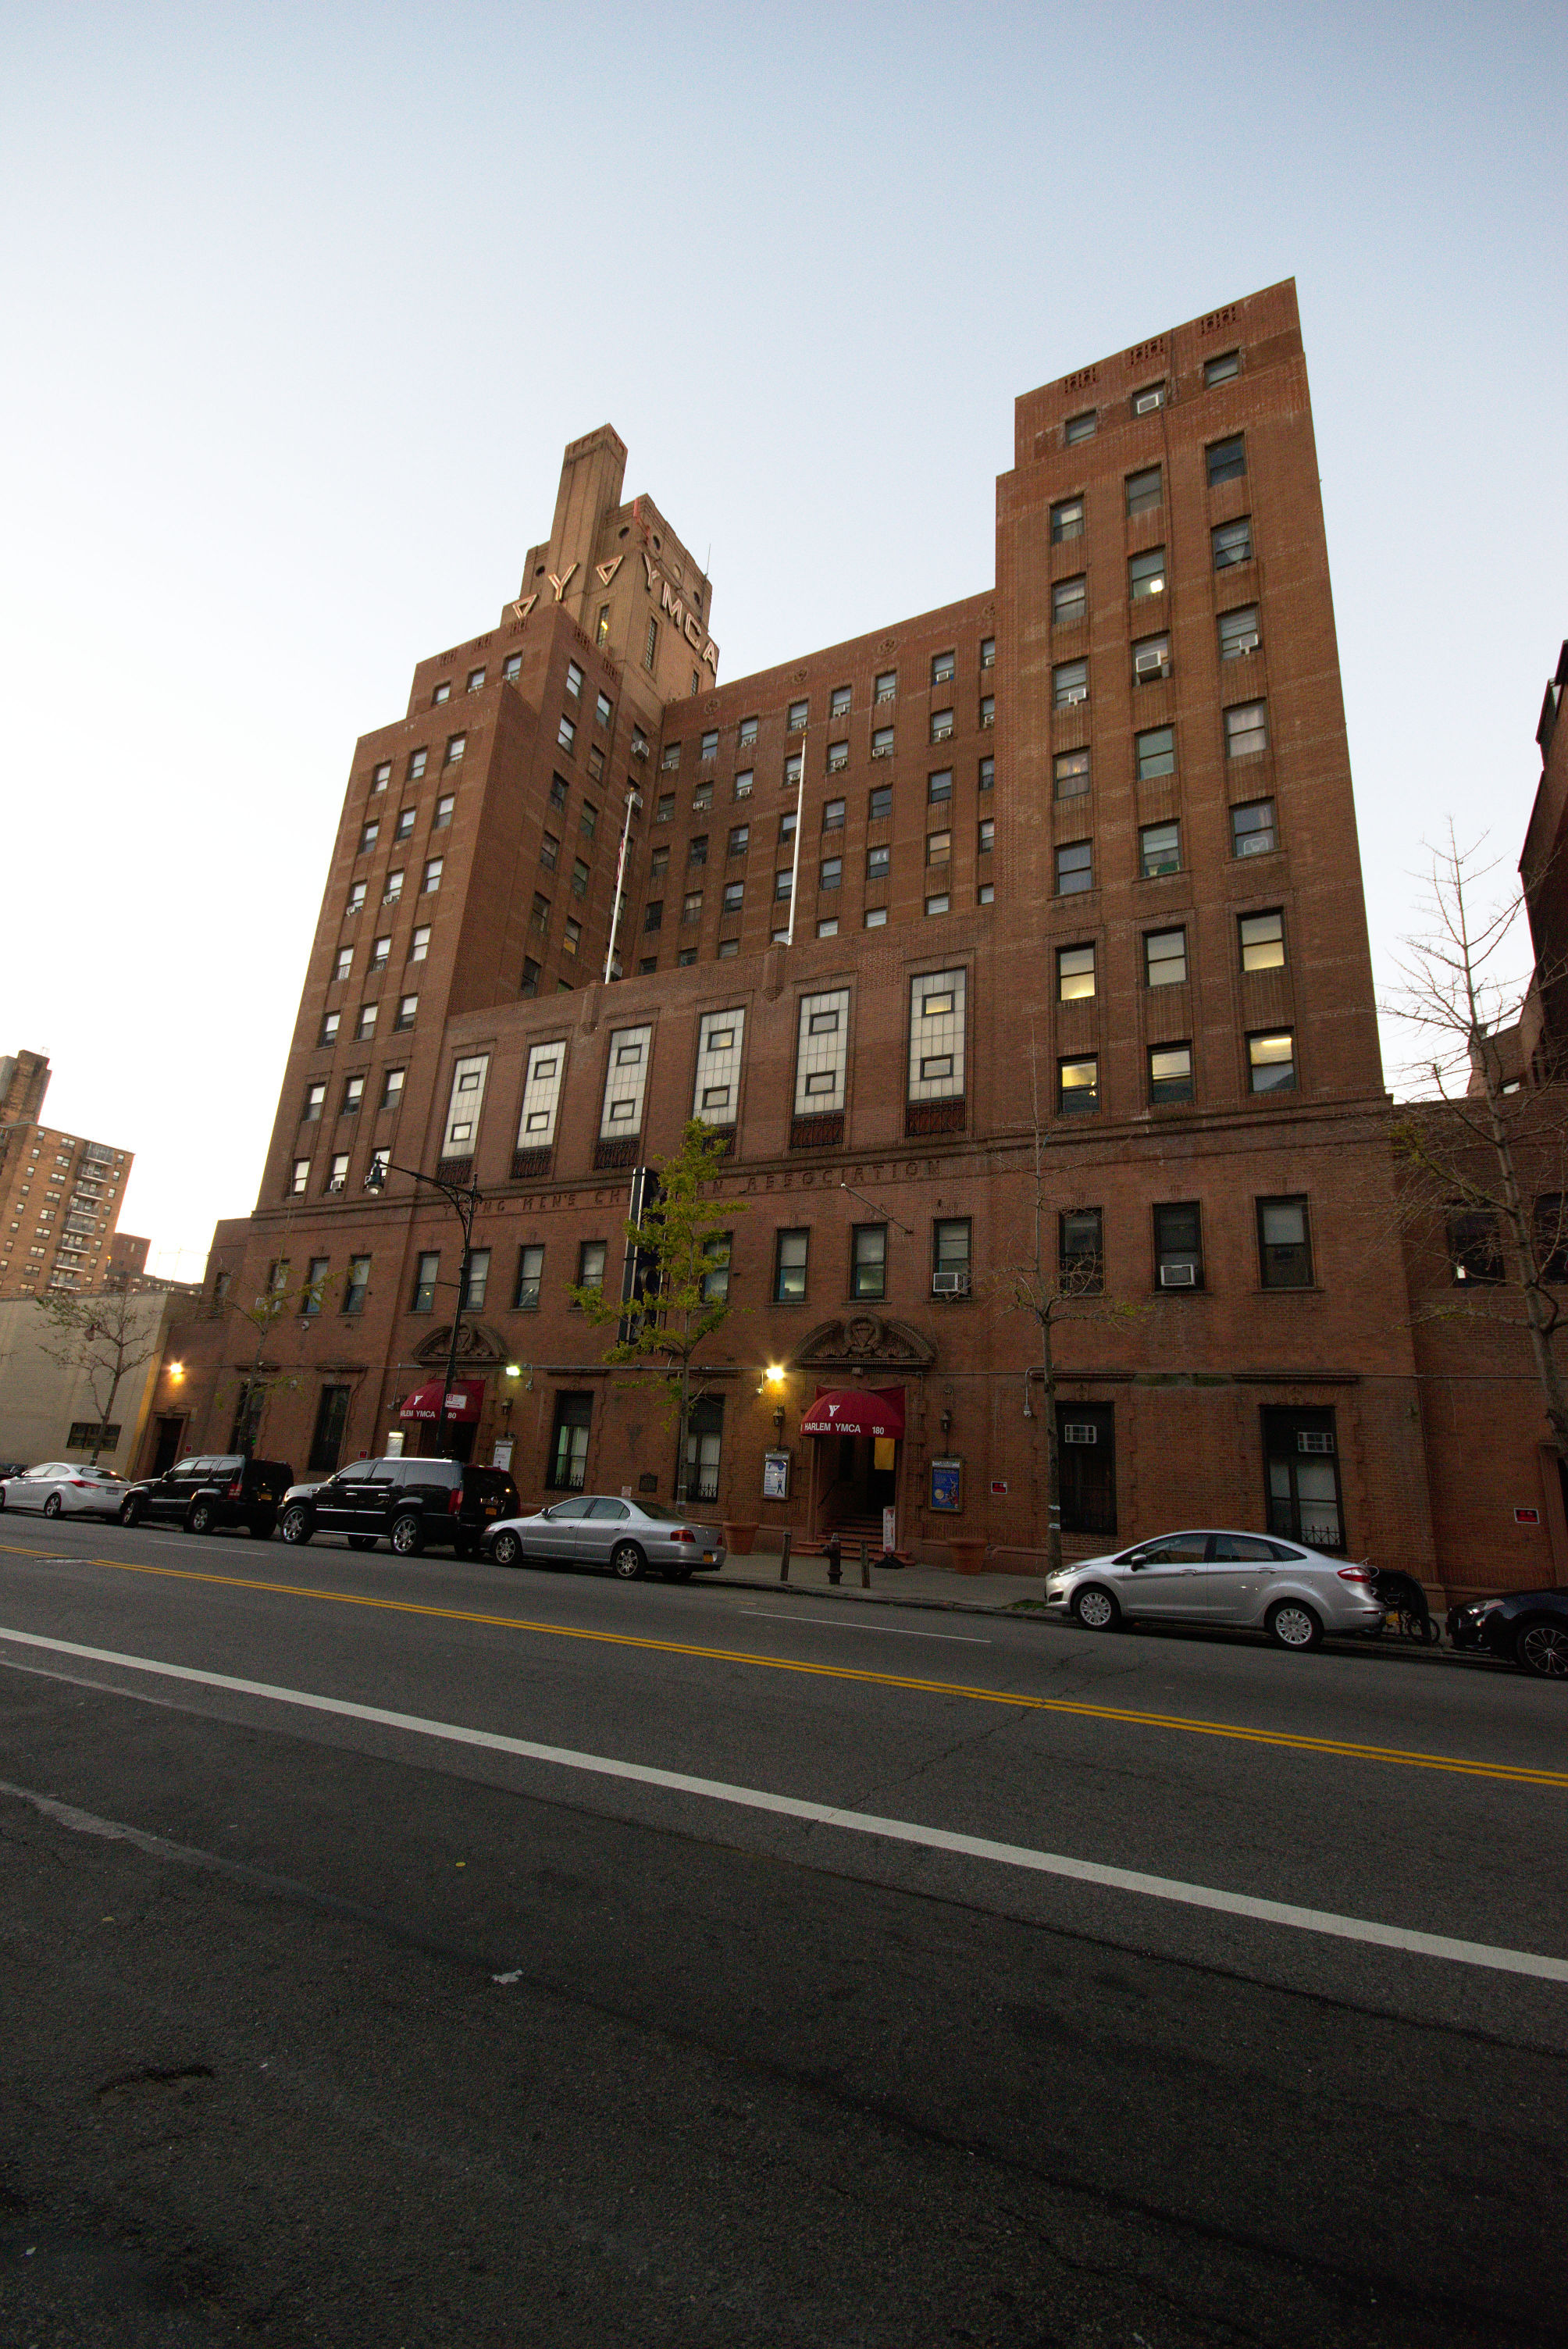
{"points": [[1075, 853]]}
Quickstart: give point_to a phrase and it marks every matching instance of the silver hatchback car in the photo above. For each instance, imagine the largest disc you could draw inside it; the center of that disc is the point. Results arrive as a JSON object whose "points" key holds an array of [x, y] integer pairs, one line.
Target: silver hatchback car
{"points": [[1252, 1581], [603, 1530]]}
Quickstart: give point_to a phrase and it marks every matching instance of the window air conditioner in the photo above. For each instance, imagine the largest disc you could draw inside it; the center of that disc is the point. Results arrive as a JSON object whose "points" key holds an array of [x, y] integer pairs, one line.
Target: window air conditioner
{"points": [[639, 750], [881, 750], [1178, 1275], [1074, 693], [950, 1284], [1246, 644], [1147, 663], [1146, 403]]}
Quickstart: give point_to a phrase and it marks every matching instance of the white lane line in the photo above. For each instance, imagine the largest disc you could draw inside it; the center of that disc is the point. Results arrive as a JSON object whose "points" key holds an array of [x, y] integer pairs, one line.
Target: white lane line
{"points": [[825, 1815], [890, 1630]]}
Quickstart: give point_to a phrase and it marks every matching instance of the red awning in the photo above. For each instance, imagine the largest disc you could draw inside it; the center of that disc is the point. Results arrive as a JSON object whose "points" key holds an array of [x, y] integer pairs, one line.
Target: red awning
{"points": [[850, 1411], [464, 1400]]}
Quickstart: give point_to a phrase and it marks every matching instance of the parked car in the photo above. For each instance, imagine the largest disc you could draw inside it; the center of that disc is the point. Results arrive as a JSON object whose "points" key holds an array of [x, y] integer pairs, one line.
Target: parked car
{"points": [[209, 1490], [1523, 1627], [416, 1504], [1250, 1580], [59, 1489], [602, 1529]]}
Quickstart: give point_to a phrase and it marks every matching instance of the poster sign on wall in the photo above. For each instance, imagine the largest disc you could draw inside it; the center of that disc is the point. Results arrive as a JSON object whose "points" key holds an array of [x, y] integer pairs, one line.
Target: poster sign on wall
{"points": [[776, 1475], [501, 1452], [947, 1484]]}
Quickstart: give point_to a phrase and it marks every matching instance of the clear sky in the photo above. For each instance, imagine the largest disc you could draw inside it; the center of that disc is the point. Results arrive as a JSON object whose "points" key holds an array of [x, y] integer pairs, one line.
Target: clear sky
{"points": [[302, 302]]}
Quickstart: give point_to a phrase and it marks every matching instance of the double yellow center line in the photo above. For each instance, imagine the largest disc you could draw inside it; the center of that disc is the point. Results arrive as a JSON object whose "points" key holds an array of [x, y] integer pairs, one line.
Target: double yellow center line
{"points": [[1341, 1749]]}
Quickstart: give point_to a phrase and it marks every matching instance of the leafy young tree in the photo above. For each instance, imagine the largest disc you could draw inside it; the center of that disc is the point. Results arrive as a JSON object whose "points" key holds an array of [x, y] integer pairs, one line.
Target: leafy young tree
{"points": [[106, 1337], [677, 1240], [1051, 1285], [1484, 1152]]}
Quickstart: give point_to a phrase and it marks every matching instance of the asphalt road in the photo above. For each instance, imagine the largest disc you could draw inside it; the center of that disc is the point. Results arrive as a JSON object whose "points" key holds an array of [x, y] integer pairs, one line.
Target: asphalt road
{"points": [[408, 1952]]}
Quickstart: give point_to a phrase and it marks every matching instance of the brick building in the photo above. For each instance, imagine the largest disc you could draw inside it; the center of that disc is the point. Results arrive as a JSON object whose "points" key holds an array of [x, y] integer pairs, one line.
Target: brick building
{"points": [[1088, 834], [59, 1195]]}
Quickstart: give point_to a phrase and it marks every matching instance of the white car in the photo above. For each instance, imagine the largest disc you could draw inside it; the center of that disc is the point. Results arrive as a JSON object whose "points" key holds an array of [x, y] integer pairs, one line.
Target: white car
{"points": [[1254, 1582], [61, 1488]]}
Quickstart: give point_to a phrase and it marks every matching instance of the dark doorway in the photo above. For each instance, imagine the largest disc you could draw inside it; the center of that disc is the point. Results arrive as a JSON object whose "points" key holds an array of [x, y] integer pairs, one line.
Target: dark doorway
{"points": [[1086, 1449], [569, 1441], [454, 1441], [330, 1420], [704, 1436], [1301, 1460], [166, 1450]]}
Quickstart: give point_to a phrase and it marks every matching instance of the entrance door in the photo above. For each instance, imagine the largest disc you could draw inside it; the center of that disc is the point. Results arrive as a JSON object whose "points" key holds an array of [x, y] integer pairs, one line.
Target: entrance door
{"points": [[167, 1451], [1086, 1454]]}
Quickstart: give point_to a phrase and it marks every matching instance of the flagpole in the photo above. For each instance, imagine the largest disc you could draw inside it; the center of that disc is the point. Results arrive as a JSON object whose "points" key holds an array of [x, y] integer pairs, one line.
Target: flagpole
{"points": [[795, 866]]}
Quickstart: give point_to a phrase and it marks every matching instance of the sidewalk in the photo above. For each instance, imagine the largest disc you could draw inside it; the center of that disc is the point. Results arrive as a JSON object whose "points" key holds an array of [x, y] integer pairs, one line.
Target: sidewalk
{"points": [[910, 1586]]}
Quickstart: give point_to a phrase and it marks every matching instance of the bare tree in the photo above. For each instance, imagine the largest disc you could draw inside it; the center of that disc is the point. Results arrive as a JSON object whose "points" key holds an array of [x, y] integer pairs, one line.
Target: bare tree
{"points": [[1052, 1285], [1485, 1149], [278, 1301], [106, 1337]]}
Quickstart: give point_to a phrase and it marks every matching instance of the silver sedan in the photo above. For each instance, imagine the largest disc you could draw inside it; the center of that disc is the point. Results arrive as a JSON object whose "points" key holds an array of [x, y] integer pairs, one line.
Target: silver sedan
{"points": [[606, 1530], [1251, 1581], [60, 1488]]}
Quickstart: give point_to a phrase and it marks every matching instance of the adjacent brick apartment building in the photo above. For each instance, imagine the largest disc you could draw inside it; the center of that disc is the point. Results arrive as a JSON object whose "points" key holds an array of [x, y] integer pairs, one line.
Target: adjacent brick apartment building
{"points": [[1087, 835], [59, 1195]]}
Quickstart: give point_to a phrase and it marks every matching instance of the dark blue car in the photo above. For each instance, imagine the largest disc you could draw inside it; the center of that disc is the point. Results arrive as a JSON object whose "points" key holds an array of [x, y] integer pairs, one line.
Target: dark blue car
{"points": [[1529, 1628]]}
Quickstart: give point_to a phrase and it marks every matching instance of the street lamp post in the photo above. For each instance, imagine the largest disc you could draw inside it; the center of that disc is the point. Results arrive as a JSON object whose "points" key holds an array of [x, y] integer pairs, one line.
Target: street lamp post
{"points": [[464, 1201]]}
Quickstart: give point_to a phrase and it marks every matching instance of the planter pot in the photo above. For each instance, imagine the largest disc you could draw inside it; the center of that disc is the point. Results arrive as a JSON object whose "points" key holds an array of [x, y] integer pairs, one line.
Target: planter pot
{"points": [[738, 1537], [968, 1554]]}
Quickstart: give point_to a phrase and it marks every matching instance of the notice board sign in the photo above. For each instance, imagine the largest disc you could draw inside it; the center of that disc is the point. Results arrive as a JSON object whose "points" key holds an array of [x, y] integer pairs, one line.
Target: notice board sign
{"points": [[776, 1475], [947, 1486]]}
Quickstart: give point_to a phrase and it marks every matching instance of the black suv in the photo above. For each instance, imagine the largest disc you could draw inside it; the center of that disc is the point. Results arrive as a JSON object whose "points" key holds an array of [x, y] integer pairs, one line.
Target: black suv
{"points": [[416, 1504], [213, 1489]]}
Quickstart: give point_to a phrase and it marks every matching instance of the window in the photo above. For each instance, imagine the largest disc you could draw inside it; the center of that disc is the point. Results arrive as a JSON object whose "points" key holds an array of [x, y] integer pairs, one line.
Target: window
{"points": [[300, 1180], [1232, 543], [950, 1256], [1305, 1501], [588, 819], [1222, 370], [887, 685], [1066, 521], [743, 783], [1227, 459], [368, 837], [1069, 683], [639, 743], [664, 807], [1238, 632], [1070, 602], [882, 742], [1246, 729], [511, 667], [353, 1095], [715, 1255], [416, 759], [393, 890], [356, 898], [356, 1284], [1151, 396], [879, 806], [590, 1256], [1475, 1247], [709, 745], [937, 904], [987, 777], [943, 669], [938, 848], [602, 713], [702, 798], [988, 652], [530, 1279], [687, 957], [566, 735], [838, 701], [574, 1412], [1078, 1086], [1145, 491], [798, 713], [457, 744], [783, 883], [1075, 868], [1252, 828], [832, 873], [876, 917], [691, 906], [838, 758], [478, 1281], [392, 1088], [745, 738], [1170, 1073], [1262, 939], [734, 896], [382, 776], [868, 1262], [1080, 428], [829, 926], [1159, 850], [1165, 958], [443, 693], [1271, 1063], [879, 863], [985, 835], [651, 646], [529, 985], [1155, 751], [1284, 1244], [425, 1280], [602, 630], [431, 880], [407, 1011], [539, 918], [344, 964], [381, 954], [571, 937], [578, 877], [1080, 1250], [939, 787], [696, 849], [739, 840], [314, 1100], [1070, 774], [654, 914], [669, 758], [549, 851], [329, 1027], [1075, 974], [1146, 573], [834, 815], [405, 826], [1178, 1246], [789, 1268]]}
